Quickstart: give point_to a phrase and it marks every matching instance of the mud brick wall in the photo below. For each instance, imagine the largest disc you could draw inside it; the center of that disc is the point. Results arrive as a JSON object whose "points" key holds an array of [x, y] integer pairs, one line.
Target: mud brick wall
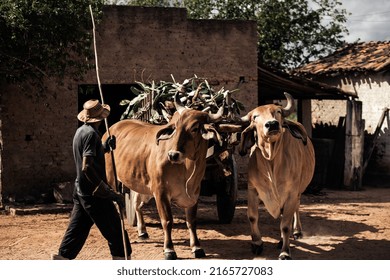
{"points": [[36, 138], [141, 44], [134, 44]]}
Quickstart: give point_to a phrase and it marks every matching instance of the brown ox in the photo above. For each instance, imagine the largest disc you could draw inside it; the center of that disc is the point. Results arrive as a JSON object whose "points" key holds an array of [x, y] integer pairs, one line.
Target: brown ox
{"points": [[281, 166], [167, 162]]}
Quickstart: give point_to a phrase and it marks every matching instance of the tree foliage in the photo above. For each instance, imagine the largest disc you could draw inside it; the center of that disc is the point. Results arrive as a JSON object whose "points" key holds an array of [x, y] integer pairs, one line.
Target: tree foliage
{"points": [[290, 32], [44, 38]]}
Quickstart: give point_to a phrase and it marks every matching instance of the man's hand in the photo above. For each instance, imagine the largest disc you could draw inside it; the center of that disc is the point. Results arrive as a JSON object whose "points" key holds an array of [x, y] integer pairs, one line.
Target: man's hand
{"points": [[120, 199], [105, 191], [110, 144]]}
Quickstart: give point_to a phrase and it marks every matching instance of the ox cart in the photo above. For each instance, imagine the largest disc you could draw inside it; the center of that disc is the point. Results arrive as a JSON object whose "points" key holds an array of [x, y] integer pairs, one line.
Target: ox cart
{"points": [[153, 103]]}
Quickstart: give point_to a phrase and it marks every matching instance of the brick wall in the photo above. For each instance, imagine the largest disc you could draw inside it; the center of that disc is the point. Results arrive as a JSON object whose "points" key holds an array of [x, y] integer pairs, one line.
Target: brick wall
{"points": [[36, 138], [153, 43], [134, 44]]}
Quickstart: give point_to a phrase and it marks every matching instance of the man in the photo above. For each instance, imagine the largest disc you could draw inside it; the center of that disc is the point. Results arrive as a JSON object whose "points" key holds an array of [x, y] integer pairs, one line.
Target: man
{"points": [[92, 197]]}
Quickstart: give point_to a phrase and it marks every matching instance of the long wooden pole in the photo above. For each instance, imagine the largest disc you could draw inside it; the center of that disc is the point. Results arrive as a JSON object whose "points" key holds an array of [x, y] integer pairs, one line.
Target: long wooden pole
{"points": [[108, 133]]}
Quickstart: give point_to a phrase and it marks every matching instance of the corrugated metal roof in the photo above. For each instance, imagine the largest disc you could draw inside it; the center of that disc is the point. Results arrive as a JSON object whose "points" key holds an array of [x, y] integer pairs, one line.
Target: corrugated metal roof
{"points": [[357, 57]]}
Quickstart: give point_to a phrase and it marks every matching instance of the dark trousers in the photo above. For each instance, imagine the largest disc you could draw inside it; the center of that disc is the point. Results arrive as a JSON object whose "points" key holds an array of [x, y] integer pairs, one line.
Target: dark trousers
{"points": [[89, 210]]}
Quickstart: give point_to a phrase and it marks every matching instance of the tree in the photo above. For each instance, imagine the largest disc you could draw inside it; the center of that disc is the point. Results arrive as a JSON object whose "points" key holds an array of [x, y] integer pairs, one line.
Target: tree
{"points": [[290, 32], [41, 38]]}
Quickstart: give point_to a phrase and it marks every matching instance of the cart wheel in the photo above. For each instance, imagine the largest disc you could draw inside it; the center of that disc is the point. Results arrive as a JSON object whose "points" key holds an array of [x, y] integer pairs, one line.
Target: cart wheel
{"points": [[226, 199]]}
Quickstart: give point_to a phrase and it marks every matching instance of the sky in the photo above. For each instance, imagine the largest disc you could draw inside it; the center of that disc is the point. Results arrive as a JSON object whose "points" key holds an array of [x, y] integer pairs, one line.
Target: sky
{"points": [[370, 20]]}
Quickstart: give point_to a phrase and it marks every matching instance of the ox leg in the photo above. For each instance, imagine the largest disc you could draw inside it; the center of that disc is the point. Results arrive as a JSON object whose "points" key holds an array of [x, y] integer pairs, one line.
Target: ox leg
{"points": [[253, 217], [141, 227], [297, 226], [191, 224], [165, 213], [285, 229]]}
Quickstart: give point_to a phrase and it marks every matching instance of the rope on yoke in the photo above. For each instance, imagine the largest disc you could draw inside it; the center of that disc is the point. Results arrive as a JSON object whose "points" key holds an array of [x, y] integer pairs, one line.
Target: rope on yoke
{"points": [[117, 186]]}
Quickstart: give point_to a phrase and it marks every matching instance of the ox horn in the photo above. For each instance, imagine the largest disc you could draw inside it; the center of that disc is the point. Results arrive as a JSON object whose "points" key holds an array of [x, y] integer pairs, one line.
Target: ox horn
{"points": [[178, 104], [290, 105], [218, 115], [245, 119]]}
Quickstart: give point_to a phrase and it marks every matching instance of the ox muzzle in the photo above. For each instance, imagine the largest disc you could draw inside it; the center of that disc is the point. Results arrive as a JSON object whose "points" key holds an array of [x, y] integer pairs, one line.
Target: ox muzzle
{"points": [[175, 156], [272, 127]]}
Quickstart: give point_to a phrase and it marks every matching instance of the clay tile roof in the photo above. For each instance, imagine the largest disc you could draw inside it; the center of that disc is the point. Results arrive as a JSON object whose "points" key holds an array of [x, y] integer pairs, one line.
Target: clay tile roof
{"points": [[357, 57], [273, 83]]}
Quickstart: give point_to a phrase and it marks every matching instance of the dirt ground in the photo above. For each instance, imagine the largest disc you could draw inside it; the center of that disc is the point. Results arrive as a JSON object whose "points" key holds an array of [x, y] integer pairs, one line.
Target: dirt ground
{"points": [[337, 225]]}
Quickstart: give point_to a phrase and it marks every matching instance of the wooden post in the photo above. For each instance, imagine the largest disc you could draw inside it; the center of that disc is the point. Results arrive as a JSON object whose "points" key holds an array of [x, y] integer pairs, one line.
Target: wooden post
{"points": [[304, 115], [354, 145]]}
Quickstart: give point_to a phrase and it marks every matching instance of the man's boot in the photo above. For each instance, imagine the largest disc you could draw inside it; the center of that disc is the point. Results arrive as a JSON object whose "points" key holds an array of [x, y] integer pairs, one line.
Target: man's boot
{"points": [[58, 257]]}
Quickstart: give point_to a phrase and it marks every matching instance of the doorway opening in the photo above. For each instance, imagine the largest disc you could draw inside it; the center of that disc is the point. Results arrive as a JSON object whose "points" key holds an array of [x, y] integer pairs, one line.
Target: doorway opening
{"points": [[113, 94]]}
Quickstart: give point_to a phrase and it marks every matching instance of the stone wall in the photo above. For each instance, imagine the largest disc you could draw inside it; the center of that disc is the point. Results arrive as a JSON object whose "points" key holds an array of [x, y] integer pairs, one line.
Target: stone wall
{"points": [[134, 44]]}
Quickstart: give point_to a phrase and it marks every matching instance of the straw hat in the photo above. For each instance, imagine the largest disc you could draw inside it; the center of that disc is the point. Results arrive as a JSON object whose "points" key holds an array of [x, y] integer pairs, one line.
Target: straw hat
{"points": [[93, 111]]}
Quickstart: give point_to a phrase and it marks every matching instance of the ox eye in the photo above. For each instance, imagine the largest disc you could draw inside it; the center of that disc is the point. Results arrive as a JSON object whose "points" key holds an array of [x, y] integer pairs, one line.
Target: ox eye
{"points": [[195, 130]]}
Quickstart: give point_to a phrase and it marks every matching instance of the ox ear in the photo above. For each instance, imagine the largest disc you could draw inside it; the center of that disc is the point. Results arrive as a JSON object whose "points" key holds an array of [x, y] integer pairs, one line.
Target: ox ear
{"points": [[296, 129], [165, 133], [209, 132], [247, 140]]}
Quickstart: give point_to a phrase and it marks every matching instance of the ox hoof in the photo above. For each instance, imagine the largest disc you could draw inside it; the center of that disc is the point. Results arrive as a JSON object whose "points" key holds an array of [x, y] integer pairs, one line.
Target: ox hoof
{"points": [[285, 256], [170, 256], [199, 253], [297, 235], [143, 236], [257, 249]]}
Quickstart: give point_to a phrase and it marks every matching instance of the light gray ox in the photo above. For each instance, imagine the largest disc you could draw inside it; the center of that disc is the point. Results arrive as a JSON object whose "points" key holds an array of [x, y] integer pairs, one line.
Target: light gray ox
{"points": [[167, 162], [281, 166]]}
